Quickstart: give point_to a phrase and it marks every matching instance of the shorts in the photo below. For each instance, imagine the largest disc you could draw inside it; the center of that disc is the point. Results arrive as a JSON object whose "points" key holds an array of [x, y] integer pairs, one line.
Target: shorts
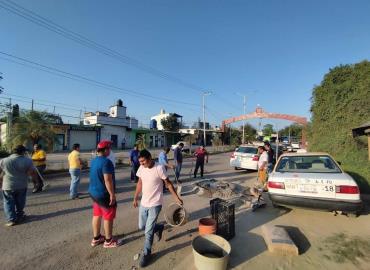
{"points": [[106, 213]]}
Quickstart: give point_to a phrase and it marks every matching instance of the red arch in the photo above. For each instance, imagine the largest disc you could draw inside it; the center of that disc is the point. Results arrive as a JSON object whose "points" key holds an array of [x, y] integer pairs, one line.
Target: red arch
{"points": [[259, 113]]}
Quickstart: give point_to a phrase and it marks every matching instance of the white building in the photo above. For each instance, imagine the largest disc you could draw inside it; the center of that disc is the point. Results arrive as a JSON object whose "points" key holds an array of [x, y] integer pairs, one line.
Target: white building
{"points": [[115, 125], [156, 120]]}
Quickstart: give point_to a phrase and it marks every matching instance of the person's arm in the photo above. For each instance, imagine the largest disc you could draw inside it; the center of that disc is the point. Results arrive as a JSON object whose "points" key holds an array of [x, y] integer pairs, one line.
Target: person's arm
{"points": [[138, 190], [206, 154], [108, 181], [170, 187]]}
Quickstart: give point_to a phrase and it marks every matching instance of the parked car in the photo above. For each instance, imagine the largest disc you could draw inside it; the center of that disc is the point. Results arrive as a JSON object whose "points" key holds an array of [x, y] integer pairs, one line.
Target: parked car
{"points": [[245, 157], [294, 146], [186, 147], [313, 180]]}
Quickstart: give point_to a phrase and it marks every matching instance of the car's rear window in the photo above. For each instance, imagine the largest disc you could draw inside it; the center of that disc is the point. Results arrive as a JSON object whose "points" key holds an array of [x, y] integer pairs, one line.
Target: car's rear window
{"points": [[307, 164], [247, 150]]}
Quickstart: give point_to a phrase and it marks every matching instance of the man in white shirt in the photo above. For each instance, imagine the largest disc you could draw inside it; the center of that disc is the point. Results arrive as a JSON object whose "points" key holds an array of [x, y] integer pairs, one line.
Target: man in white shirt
{"points": [[262, 165], [152, 176]]}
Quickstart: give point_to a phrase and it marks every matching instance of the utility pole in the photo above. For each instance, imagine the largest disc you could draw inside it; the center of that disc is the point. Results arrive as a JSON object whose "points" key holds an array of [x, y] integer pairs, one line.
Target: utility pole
{"points": [[230, 134], [32, 105], [244, 105], [10, 120], [204, 117], [244, 97]]}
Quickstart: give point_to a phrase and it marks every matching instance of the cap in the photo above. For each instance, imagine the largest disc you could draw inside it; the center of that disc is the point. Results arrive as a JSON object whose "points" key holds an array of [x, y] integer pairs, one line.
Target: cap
{"points": [[104, 144]]}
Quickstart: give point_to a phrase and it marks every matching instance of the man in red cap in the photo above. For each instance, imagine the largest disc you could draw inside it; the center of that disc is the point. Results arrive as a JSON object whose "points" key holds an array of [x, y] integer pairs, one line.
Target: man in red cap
{"points": [[102, 190]]}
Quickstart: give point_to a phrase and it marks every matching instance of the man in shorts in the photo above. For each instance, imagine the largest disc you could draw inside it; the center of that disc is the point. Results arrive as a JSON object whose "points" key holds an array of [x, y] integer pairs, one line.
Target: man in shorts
{"points": [[102, 190]]}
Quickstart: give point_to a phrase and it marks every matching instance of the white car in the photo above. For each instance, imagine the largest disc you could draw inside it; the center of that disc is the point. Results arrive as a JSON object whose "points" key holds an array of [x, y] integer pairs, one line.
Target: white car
{"points": [[245, 157], [186, 147], [294, 146], [313, 180]]}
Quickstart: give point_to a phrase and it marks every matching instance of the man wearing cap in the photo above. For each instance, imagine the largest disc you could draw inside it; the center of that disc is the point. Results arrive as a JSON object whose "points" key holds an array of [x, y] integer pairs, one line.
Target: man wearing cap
{"points": [[39, 160], [102, 190], [152, 177], [16, 168]]}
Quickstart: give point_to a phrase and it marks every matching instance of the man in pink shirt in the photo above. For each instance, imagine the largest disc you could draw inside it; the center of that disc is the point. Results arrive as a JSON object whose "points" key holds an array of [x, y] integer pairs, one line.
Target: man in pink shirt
{"points": [[152, 176]]}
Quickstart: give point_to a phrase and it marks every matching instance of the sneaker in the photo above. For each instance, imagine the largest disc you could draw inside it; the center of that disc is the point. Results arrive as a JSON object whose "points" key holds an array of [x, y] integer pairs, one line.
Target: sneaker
{"points": [[144, 260], [159, 233], [10, 223], [95, 243], [111, 244], [21, 218]]}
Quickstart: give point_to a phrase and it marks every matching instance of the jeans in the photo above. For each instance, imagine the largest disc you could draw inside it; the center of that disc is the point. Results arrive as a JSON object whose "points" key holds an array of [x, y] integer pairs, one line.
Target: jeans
{"points": [[147, 221], [178, 170], [14, 202], [134, 169], [199, 163], [75, 181]]}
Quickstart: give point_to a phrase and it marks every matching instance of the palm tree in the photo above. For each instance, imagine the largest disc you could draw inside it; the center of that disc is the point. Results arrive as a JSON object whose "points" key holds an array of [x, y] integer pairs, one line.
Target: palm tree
{"points": [[31, 127]]}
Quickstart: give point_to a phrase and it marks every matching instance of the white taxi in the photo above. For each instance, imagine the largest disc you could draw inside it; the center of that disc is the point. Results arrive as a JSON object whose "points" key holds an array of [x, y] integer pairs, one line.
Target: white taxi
{"points": [[313, 180], [245, 157]]}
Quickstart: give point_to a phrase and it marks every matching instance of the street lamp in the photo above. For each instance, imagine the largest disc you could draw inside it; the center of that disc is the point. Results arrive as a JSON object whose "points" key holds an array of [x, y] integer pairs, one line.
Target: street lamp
{"points": [[244, 104], [207, 93]]}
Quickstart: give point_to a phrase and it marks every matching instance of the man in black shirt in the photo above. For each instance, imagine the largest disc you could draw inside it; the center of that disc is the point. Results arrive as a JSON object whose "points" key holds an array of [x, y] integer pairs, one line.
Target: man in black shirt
{"points": [[271, 155]]}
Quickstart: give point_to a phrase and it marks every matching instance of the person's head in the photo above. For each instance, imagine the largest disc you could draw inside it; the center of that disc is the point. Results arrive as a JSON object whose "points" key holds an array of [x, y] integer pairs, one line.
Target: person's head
{"points": [[76, 147], [166, 149], [267, 145], [19, 150], [145, 158], [181, 145], [37, 146], [104, 148], [261, 149]]}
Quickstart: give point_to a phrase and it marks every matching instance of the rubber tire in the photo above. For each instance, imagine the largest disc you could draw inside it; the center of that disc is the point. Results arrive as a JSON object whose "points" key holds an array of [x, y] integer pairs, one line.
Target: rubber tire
{"points": [[236, 168]]}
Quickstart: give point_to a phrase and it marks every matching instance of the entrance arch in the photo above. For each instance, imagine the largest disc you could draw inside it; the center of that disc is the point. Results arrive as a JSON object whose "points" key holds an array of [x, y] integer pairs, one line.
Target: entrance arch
{"points": [[260, 113]]}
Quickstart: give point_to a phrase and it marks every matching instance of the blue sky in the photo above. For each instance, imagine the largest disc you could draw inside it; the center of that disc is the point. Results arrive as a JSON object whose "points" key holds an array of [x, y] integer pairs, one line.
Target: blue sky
{"points": [[274, 52]]}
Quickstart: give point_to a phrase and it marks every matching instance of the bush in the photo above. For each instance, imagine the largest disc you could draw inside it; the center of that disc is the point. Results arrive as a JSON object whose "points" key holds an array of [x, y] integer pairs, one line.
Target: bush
{"points": [[339, 104]]}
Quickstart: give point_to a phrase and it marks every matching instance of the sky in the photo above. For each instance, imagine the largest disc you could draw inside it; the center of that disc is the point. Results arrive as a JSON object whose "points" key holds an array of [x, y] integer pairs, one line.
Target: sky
{"points": [[273, 52]]}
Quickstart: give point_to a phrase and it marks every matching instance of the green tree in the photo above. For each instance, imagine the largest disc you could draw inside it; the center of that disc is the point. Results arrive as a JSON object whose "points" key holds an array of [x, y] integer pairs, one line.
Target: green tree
{"points": [[32, 127], [170, 123], [340, 103], [268, 130], [295, 130], [141, 141], [249, 132]]}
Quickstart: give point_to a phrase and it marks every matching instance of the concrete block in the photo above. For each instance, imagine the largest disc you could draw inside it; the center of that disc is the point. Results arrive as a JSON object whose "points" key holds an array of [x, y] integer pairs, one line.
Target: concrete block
{"points": [[278, 240]]}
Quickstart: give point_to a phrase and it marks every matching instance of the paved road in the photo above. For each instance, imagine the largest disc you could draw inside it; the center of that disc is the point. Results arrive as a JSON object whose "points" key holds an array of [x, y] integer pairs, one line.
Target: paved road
{"points": [[58, 232], [59, 161]]}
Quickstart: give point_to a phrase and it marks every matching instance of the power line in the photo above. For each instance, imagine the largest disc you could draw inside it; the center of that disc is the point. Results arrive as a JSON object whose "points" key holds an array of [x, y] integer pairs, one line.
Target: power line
{"points": [[77, 77], [76, 37], [82, 40]]}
